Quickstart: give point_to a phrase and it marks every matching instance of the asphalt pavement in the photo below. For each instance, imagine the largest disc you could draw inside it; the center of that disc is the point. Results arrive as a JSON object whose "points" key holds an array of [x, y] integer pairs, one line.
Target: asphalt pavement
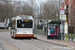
{"points": [[8, 43], [55, 41]]}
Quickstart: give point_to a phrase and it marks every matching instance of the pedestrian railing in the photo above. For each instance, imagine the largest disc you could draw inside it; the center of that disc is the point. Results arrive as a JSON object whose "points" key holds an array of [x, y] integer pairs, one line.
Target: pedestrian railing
{"points": [[71, 37]]}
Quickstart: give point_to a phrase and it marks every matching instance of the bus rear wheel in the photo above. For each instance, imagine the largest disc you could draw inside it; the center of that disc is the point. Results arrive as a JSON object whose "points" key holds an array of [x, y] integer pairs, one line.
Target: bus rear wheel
{"points": [[14, 37], [11, 36]]}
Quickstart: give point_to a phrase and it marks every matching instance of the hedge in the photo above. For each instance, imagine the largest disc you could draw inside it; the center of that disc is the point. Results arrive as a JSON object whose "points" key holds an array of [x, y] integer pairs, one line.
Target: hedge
{"points": [[39, 26]]}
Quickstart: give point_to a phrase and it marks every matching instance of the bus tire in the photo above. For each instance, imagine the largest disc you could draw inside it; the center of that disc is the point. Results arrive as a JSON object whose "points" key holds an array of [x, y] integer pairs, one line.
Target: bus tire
{"points": [[11, 36], [14, 37], [29, 37]]}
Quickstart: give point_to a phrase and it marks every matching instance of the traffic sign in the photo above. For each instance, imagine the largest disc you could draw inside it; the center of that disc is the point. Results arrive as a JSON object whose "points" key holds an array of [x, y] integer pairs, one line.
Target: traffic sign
{"points": [[61, 28], [62, 17], [66, 28], [62, 11], [61, 8]]}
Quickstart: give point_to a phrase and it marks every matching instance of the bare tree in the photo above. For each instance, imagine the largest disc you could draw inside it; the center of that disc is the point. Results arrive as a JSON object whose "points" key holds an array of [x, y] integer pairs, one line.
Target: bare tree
{"points": [[49, 10], [26, 9], [33, 6], [6, 10]]}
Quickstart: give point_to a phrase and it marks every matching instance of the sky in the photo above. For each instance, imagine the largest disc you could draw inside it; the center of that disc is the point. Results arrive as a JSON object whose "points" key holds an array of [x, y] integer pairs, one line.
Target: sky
{"points": [[40, 1], [37, 1]]}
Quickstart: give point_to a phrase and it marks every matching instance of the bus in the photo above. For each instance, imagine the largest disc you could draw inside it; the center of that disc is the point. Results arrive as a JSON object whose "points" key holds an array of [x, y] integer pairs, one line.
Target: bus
{"points": [[22, 26]]}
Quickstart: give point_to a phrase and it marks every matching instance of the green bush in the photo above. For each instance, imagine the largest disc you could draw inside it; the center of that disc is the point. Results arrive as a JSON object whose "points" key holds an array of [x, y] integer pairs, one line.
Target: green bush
{"points": [[69, 36], [74, 36]]}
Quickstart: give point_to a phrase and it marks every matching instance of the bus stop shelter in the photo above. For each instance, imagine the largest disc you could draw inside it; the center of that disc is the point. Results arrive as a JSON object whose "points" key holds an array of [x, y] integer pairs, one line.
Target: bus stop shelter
{"points": [[53, 30]]}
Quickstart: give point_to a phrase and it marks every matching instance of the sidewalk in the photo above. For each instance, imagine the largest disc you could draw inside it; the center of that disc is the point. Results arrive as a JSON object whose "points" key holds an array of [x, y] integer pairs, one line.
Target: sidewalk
{"points": [[3, 30], [54, 41]]}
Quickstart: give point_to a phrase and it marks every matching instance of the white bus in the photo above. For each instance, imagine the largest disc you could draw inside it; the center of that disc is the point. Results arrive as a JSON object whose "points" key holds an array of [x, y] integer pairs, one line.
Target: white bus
{"points": [[22, 26]]}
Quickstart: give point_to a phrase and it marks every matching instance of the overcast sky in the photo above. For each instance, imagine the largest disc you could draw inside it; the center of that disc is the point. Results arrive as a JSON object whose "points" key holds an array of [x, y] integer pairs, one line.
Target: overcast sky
{"points": [[37, 1]]}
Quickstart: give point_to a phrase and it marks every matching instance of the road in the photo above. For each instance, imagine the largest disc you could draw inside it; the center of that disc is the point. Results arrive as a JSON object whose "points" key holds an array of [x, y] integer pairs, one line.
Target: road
{"points": [[8, 43]]}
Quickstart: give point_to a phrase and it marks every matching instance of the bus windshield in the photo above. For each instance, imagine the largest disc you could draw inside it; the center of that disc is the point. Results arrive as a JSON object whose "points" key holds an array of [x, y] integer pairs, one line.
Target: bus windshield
{"points": [[24, 24]]}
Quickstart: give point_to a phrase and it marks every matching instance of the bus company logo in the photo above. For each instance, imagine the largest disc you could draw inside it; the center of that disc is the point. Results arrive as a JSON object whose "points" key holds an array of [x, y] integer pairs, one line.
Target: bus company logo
{"points": [[17, 30]]}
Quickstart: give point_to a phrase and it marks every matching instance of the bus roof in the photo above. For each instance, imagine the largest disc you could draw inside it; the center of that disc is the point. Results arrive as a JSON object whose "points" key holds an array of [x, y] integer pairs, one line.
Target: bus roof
{"points": [[22, 17], [25, 16]]}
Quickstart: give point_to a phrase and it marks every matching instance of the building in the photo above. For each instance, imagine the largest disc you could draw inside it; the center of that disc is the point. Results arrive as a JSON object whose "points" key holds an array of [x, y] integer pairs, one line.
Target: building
{"points": [[69, 11]]}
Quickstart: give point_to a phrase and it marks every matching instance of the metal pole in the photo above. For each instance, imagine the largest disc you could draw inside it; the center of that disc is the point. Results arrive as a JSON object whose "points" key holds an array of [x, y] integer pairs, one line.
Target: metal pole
{"points": [[61, 22], [5, 23], [59, 9], [59, 14], [74, 12], [5, 15]]}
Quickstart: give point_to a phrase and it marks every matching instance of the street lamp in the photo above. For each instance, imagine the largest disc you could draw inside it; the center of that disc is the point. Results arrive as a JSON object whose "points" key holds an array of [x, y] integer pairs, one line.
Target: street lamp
{"points": [[59, 8]]}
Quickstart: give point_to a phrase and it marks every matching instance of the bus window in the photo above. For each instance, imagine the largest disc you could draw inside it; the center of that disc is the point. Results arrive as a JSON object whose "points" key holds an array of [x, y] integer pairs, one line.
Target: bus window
{"points": [[24, 24]]}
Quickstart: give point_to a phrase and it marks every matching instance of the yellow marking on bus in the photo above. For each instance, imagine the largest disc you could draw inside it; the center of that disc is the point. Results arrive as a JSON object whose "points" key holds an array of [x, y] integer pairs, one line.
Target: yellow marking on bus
{"points": [[26, 20]]}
